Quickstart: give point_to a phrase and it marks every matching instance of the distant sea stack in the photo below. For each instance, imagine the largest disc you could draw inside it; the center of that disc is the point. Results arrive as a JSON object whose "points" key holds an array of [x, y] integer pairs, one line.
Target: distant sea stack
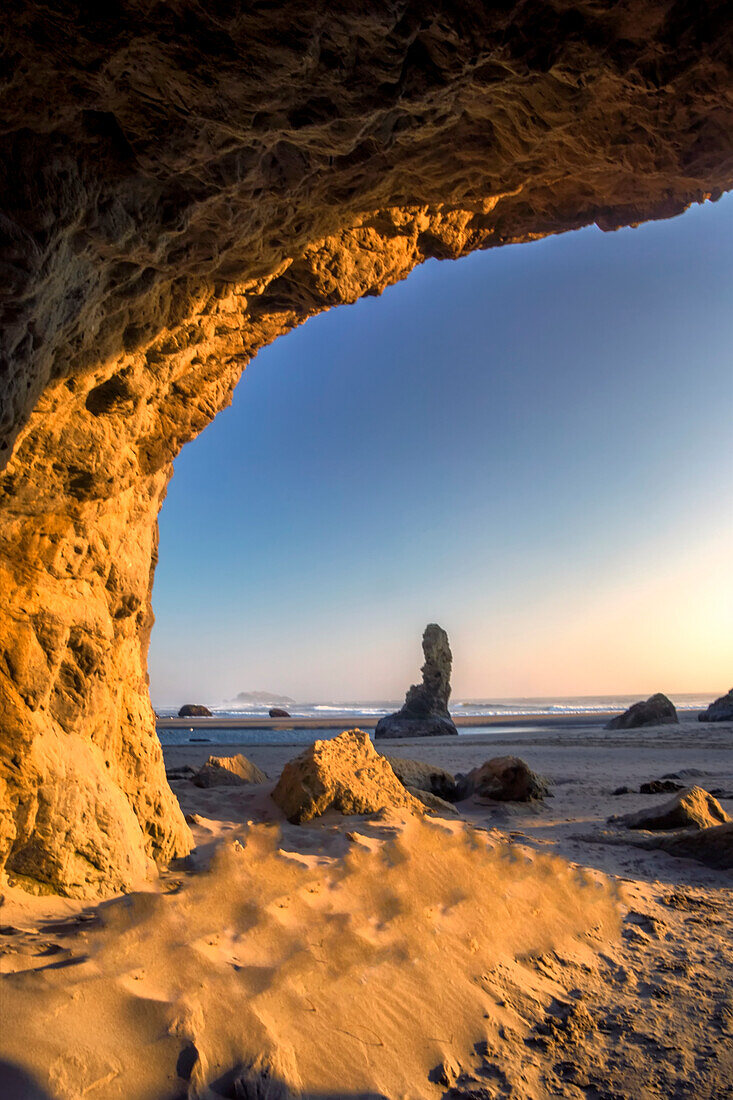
{"points": [[425, 712], [194, 710], [658, 710], [719, 711]]}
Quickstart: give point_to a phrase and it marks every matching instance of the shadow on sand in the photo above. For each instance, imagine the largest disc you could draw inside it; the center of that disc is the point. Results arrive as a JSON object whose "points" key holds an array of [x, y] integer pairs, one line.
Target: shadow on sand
{"points": [[16, 1084]]}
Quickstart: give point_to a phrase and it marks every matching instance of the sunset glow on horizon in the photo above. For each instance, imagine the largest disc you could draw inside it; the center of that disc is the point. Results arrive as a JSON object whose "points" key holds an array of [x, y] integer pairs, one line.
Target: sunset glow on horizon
{"points": [[531, 446]]}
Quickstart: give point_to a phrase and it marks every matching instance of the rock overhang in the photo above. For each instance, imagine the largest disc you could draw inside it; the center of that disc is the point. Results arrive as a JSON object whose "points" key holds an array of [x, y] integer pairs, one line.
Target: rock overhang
{"points": [[180, 186]]}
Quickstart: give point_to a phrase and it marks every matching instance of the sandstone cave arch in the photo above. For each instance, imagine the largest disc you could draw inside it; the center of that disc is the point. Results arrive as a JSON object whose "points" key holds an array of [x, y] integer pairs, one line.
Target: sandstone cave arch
{"points": [[182, 185]]}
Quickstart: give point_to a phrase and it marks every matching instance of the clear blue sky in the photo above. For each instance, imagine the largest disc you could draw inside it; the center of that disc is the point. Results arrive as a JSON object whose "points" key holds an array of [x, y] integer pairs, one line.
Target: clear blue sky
{"points": [[532, 446]]}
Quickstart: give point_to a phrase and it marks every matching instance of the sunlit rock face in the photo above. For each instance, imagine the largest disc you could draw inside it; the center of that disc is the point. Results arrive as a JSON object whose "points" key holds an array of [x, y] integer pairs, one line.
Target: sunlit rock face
{"points": [[182, 183]]}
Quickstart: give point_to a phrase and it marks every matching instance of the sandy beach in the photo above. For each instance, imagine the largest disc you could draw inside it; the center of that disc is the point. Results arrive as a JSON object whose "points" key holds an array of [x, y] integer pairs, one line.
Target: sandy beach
{"points": [[510, 950]]}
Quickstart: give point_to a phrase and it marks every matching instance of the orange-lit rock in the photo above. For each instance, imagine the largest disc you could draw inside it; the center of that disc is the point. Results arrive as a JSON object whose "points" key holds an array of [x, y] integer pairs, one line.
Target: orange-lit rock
{"points": [[182, 184], [345, 774]]}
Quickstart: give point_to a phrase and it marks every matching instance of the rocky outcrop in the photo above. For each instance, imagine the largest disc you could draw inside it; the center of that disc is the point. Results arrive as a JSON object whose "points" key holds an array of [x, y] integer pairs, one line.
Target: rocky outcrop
{"points": [[692, 808], [425, 710], [658, 710], [228, 771], [181, 185], [719, 711], [427, 777], [194, 710], [345, 774], [278, 712], [503, 779]]}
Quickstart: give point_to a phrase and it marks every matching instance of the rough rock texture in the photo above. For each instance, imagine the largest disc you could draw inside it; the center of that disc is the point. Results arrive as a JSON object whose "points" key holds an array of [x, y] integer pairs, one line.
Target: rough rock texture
{"points": [[182, 183], [194, 710], [657, 710], [719, 711], [425, 710], [344, 774], [692, 808], [428, 777], [503, 779], [228, 771]]}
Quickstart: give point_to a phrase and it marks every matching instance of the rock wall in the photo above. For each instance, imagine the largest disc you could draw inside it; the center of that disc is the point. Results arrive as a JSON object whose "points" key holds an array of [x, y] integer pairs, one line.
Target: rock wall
{"points": [[182, 183]]}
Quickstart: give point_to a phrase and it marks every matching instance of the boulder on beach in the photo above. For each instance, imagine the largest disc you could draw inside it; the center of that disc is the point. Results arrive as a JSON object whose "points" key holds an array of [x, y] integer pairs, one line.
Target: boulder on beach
{"points": [[345, 774], [427, 777], [278, 712], [719, 711], [657, 710], [691, 808], [194, 710], [503, 779], [425, 710], [228, 771]]}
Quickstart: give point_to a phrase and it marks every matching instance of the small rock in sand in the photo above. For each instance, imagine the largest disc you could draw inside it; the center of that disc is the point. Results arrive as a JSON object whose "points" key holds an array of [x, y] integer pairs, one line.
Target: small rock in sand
{"points": [[345, 774], [503, 779], [658, 710], [228, 771], [660, 786], [692, 808], [184, 772], [719, 711]]}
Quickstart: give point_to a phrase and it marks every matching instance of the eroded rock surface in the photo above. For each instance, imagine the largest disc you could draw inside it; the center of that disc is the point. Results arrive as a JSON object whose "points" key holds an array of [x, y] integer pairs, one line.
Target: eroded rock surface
{"points": [[345, 774], [180, 185], [658, 710], [425, 710]]}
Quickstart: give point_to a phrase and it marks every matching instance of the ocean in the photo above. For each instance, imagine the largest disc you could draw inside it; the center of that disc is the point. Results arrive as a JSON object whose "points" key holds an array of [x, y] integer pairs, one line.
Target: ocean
{"points": [[522, 715]]}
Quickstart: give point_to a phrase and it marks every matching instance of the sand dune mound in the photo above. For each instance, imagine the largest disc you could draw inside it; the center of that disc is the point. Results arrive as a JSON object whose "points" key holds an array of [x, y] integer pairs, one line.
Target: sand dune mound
{"points": [[344, 774], [348, 969]]}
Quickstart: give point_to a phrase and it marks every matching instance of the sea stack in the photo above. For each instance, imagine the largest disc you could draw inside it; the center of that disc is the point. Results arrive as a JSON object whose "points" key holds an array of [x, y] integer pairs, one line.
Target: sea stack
{"points": [[425, 712]]}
